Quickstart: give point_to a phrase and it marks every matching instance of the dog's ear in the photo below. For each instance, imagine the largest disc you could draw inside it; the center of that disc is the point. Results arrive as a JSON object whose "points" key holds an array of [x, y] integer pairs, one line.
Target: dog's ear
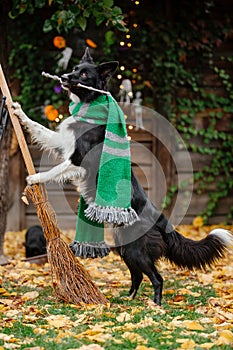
{"points": [[86, 57], [106, 70]]}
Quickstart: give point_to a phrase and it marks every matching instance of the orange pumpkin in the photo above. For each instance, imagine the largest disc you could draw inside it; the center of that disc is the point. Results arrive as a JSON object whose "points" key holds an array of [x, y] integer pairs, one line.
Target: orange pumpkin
{"points": [[51, 113], [91, 43], [47, 109], [59, 42]]}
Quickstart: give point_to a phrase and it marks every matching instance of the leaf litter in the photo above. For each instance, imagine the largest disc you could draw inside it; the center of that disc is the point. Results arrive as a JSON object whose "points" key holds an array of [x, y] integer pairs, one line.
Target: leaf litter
{"points": [[197, 311]]}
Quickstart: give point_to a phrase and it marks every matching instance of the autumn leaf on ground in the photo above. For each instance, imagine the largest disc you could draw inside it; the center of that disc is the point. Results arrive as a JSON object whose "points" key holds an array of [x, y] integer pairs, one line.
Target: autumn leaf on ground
{"points": [[192, 325], [196, 311], [89, 347], [188, 344], [225, 338], [30, 295], [59, 321], [123, 317]]}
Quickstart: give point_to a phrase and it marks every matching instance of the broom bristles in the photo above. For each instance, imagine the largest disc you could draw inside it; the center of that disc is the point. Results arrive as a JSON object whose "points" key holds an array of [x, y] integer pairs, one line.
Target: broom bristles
{"points": [[71, 282]]}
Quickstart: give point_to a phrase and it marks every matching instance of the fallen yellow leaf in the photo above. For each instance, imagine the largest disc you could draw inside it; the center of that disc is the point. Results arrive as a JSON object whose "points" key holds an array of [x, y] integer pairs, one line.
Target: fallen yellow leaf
{"points": [[123, 317], [193, 325], [225, 338], [188, 292], [198, 222], [39, 331], [89, 347], [58, 321], [206, 345], [12, 313], [134, 337], [4, 292], [30, 295], [188, 344], [6, 301]]}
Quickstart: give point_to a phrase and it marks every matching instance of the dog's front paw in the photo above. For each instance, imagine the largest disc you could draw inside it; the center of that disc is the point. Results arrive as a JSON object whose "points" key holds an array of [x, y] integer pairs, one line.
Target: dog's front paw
{"points": [[33, 179], [17, 109], [18, 112]]}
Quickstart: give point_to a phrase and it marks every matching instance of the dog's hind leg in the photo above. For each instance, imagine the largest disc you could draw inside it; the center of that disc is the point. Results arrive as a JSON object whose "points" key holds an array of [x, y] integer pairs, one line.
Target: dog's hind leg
{"points": [[157, 282], [136, 278], [60, 173]]}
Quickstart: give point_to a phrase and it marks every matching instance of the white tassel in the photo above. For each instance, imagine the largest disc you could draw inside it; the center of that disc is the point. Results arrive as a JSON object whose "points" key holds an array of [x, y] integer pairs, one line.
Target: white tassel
{"points": [[111, 215]]}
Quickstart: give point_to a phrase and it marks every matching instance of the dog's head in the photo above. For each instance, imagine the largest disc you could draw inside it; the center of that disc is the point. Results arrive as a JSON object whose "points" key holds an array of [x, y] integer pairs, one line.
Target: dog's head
{"points": [[89, 74]]}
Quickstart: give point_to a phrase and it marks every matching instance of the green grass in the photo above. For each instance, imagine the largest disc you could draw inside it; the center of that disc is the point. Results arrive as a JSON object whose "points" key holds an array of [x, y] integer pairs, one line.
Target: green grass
{"points": [[159, 336]]}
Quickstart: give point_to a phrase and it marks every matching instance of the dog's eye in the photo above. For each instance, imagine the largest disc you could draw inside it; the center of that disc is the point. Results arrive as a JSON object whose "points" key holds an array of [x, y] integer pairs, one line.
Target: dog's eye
{"points": [[84, 74]]}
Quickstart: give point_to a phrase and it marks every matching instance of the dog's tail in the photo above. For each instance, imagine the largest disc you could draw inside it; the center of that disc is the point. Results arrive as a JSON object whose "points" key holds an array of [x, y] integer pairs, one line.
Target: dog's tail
{"points": [[191, 254]]}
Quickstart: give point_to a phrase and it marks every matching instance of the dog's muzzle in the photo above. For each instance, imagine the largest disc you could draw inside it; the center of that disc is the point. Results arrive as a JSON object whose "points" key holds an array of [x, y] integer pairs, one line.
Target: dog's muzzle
{"points": [[65, 81]]}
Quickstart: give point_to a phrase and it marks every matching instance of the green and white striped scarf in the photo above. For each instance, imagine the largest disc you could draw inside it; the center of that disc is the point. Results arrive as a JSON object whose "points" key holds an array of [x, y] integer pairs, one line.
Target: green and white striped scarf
{"points": [[112, 203]]}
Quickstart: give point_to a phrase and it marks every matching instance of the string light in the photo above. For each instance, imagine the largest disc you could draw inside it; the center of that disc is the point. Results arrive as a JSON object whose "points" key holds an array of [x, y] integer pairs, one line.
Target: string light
{"points": [[129, 44], [130, 127], [127, 36], [119, 76], [134, 70], [122, 68], [135, 25], [122, 43], [136, 2]]}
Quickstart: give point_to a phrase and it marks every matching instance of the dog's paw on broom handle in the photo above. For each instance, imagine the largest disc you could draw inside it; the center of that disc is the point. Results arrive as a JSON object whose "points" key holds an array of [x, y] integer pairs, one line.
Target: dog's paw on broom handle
{"points": [[71, 282]]}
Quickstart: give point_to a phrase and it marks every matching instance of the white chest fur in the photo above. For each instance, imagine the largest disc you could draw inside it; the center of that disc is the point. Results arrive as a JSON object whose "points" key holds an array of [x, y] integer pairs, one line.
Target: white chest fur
{"points": [[66, 135]]}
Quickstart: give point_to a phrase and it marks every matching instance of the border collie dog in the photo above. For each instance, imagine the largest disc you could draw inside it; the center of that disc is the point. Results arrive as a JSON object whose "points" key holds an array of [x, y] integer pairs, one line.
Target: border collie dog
{"points": [[152, 236]]}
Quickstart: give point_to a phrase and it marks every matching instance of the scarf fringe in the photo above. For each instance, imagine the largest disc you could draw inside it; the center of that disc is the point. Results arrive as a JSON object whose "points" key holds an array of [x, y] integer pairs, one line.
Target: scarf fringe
{"points": [[112, 215], [90, 250]]}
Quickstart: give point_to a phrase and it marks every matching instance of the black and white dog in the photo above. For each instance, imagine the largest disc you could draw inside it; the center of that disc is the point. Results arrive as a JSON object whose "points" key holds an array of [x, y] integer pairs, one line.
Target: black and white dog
{"points": [[150, 238]]}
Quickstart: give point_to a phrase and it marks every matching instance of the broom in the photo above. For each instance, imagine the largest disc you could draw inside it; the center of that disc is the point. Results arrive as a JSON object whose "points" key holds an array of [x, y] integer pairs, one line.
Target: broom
{"points": [[71, 282]]}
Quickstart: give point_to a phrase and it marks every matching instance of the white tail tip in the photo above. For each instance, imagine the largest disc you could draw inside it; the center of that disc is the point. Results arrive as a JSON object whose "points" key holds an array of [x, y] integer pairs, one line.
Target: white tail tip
{"points": [[224, 235]]}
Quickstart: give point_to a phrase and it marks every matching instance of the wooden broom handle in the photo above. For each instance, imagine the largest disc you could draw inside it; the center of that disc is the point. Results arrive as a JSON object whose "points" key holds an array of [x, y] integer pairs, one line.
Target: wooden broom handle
{"points": [[16, 125]]}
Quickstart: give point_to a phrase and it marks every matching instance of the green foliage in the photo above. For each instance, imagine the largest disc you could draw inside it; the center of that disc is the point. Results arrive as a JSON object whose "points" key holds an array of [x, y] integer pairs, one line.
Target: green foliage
{"points": [[71, 14], [33, 51], [216, 144]]}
